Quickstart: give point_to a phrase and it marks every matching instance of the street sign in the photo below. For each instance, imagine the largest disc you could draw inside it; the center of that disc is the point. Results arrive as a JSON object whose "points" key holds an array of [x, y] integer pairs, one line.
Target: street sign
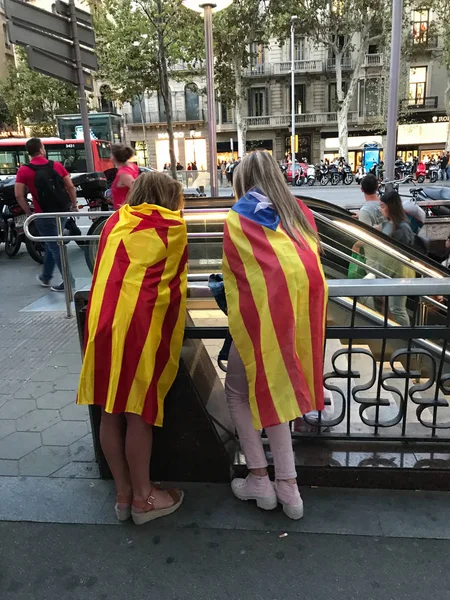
{"points": [[62, 8], [21, 13], [52, 66], [63, 49]]}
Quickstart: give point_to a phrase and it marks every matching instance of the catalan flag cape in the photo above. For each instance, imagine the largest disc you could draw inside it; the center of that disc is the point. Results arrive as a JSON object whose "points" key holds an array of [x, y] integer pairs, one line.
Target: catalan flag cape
{"points": [[136, 312], [277, 298]]}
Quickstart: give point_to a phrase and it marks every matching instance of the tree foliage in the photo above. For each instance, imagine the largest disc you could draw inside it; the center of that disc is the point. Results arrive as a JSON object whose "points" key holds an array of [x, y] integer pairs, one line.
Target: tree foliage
{"points": [[344, 28], [32, 98], [140, 42]]}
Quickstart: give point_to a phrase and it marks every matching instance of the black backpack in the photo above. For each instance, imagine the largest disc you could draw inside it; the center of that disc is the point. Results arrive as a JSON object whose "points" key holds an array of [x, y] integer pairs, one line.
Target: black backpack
{"points": [[50, 188]]}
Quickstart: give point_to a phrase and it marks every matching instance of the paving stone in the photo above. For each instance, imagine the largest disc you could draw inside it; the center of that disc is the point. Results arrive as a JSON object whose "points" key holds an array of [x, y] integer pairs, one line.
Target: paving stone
{"points": [[55, 400], [78, 470], [4, 398], [49, 374], [9, 467], [6, 428], [44, 461], [64, 433], [34, 389], [74, 412], [13, 409], [65, 359], [83, 450], [19, 444], [67, 382], [38, 420]]}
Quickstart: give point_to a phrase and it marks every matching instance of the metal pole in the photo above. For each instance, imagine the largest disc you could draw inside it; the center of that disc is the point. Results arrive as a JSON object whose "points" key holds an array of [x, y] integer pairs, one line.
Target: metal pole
{"points": [[81, 91], [207, 8], [394, 76], [65, 269], [293, 167]]}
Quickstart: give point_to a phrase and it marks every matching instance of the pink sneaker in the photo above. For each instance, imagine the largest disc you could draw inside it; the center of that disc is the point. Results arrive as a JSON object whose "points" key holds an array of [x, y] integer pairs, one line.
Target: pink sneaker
{"points": [[256, 488], [289, 496]]}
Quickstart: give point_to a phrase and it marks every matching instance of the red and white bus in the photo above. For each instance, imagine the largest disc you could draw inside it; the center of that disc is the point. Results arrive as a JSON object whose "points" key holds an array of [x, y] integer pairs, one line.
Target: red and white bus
{"points": [[69, 153]]}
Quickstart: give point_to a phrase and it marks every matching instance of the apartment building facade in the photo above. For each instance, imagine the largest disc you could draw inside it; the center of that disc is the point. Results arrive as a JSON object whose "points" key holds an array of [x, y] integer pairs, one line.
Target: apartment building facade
{"points": [[423, 125]]}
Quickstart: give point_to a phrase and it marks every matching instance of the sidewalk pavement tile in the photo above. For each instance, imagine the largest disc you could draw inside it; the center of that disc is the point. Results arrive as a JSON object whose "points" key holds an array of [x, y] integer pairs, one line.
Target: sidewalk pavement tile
{"points": [[83, 450], [44, 461], [34, 389], [74, 412], [19, 444], [9, 468], [55, 400], [49, 374], [79, 470], [13, 409], [38, 420], [66, 359], [64, 433], [69, 383], [6, 428]]}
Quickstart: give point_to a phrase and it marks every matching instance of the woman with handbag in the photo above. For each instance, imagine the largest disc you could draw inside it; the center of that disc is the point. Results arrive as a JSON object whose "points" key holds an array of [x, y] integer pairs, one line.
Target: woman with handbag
{"points": [[276, 300]]}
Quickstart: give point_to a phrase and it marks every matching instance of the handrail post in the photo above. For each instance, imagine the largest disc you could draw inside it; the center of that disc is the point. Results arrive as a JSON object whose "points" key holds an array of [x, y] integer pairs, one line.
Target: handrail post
{"points": [[65, 269]]}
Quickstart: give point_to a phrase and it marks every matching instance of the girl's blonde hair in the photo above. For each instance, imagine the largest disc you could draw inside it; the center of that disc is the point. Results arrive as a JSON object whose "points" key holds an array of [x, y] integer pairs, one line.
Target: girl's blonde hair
{"points": [[156, 188], [260, 170]]}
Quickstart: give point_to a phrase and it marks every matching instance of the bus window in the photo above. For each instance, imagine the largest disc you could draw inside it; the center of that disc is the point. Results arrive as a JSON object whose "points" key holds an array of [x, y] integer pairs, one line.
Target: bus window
{"points": [[104, 150], [72, 159], [8, 162]]}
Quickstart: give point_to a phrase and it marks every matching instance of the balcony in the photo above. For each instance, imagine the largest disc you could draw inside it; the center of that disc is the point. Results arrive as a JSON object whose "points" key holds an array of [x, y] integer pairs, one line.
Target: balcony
{"points": [[300, 66], [427, 103], [304, 119], [179, 116], [260, 70], [374, 60], [347, 63]]}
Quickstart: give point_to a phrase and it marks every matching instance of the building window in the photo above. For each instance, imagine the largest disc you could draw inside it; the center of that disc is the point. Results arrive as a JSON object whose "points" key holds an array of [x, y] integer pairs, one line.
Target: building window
{"points": [[162, 108], [299, 48], [256, 54], [420, 26], [226, 113], [257, 102], [106, 104], [417, 85], [192, 102], [138, 110], [6, 37], [299, 100]]}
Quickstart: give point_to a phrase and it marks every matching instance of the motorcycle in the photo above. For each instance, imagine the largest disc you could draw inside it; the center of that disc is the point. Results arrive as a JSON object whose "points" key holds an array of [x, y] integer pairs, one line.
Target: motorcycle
{"points": [[433, 195], [311, 175], [346, 174], [322, 174], [377, 169], [421, 172], [12, 221], [300, 175], [335, 176], [433, 171], [360, 174]]}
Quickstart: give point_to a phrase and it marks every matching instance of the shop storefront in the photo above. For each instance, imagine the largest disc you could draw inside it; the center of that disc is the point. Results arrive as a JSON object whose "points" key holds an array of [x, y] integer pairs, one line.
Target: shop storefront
{"points": [[425, 140], [229, 151]]}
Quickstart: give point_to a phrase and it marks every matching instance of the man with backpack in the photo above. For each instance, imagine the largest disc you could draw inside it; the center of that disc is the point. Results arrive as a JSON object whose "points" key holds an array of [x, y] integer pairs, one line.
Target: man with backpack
{"points": [[52, 191]]}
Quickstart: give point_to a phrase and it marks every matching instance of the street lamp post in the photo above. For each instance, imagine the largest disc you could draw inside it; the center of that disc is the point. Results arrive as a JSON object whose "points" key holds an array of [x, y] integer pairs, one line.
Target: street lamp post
{"points": [[207, 7], [394, 76], [293, 19]]}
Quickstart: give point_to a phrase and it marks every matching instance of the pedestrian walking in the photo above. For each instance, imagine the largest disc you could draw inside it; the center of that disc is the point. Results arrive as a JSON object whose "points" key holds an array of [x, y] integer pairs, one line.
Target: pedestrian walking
{"points": [[127, 173], [277, 298], [443, 163], [135, 328], [52, 191]]}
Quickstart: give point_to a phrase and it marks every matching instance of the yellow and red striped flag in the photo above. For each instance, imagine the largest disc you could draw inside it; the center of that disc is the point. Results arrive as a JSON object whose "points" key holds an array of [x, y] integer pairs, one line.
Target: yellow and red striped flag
{"points": [[277, 299], [136, 312]]}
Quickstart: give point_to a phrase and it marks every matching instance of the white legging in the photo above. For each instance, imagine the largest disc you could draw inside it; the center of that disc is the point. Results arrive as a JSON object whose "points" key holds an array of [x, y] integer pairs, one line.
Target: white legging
{"points": [[236, 391]]}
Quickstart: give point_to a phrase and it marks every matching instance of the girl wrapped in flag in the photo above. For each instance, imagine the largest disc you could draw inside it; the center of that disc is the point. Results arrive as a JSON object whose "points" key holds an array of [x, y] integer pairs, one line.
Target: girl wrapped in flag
{"points": [[134, 333], [277, 299]]}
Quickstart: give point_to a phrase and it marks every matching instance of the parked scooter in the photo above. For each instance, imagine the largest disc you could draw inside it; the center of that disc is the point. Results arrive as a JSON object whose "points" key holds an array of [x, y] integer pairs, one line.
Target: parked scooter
{"points": [[311, 175], [12, 219], [421, 172], [433, 171], [360, 174], [322, 173]]}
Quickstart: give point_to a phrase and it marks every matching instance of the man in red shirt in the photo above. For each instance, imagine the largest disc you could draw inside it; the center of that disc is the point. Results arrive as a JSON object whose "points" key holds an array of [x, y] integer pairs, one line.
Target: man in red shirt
{"points": [[25, 179]]}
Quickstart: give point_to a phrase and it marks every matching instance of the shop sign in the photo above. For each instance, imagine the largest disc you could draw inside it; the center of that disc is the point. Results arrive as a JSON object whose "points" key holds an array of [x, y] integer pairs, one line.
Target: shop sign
{"points": [[176, 135], [440, 118]]}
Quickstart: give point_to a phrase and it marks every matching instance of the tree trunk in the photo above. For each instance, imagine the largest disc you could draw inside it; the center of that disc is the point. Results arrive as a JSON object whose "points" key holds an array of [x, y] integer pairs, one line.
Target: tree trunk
{"points": [[165, 92], [447, 110], [241, 123]]}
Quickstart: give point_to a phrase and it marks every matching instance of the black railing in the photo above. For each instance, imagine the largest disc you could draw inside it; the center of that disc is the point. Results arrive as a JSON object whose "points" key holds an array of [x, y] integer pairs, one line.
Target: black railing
{"points": [[427, 103]]}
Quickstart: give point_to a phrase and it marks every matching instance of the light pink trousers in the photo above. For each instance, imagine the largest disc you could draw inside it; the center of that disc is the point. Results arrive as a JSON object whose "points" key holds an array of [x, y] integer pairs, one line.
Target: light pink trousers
{"points": [[236, 391]]}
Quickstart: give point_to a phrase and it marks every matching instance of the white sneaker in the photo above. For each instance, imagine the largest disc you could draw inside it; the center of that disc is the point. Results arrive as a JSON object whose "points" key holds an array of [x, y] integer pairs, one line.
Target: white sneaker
{"points": [[327, 413], [289, 496], [256, 488]]}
